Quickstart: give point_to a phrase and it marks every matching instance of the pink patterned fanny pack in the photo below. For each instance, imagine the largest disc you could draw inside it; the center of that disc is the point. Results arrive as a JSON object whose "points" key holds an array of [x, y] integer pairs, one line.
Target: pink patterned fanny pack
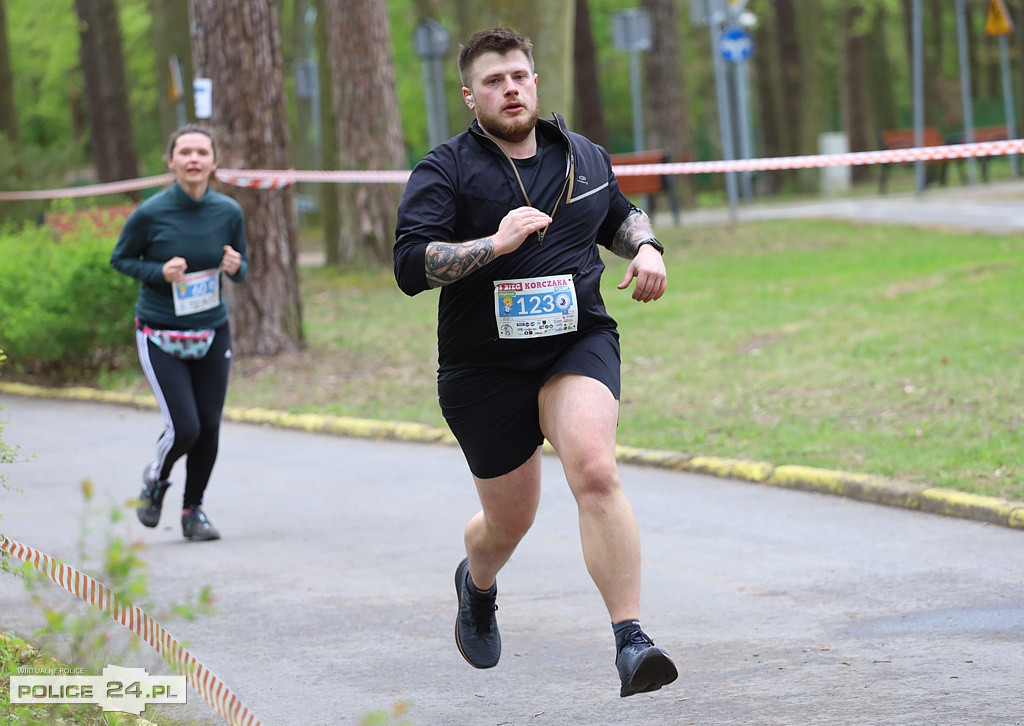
{"points": [[182, 344]]}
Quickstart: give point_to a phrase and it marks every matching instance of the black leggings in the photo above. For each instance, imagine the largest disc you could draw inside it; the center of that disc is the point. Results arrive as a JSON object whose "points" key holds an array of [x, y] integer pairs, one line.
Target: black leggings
{"points": [[190, 394]]}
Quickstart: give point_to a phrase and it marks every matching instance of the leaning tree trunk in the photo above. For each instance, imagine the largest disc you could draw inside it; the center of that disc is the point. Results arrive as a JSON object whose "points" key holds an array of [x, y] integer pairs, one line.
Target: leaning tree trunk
{"points": [[330, 218], [170, 38], [8, 116], [237, 44], [106, 90], [668, 120], [369, 125], [588, 91]]}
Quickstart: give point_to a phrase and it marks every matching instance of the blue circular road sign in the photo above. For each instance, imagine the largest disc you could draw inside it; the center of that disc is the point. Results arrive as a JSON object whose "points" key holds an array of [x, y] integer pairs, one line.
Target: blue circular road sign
{"points": [[736, 45]]}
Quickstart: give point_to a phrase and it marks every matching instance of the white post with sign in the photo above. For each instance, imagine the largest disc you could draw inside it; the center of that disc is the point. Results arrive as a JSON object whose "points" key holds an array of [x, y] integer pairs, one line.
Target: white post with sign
{"points": [[202, 89]]}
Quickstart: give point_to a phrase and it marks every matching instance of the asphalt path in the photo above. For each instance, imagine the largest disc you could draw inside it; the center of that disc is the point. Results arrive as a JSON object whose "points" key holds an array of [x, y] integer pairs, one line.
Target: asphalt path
{"points": [[335, 595], [994, 208]]}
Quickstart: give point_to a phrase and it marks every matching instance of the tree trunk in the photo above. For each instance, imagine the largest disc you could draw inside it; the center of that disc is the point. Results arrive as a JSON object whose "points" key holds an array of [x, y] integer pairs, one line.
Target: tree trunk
{"points": [[668, 117], [113, 147], [588, 91], [171, 39], [369, 125], [774, 90], [809, 114], [855, 103], [8, 114], [1018, 64], [237, 44], [330, 199]]}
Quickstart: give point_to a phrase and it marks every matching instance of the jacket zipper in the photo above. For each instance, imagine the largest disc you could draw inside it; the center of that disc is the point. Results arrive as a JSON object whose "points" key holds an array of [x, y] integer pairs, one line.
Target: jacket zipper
{"points": [[570, 162]]}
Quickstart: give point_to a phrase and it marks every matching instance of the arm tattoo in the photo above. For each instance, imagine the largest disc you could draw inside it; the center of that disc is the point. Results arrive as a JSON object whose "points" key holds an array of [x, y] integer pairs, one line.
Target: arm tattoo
{"points": [[447, 262], [634, 229]]}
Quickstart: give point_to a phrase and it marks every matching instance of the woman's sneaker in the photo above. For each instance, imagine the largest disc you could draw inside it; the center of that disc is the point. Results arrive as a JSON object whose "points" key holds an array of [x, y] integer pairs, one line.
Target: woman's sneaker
{"points": [[196, 527], [151, 499]]}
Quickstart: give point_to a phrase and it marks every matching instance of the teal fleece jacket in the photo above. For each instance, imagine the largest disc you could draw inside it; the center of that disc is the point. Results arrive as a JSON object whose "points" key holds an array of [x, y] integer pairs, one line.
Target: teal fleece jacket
{"points": [[173, 224]]}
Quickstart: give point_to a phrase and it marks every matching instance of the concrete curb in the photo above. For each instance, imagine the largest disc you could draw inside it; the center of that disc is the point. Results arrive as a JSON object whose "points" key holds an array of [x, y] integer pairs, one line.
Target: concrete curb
{"points": [[863, 487]]}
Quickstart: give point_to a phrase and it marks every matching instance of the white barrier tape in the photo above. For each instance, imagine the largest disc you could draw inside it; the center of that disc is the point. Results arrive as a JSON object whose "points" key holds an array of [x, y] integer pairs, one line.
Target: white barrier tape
{"points": [[142, 624], [276, 179]]}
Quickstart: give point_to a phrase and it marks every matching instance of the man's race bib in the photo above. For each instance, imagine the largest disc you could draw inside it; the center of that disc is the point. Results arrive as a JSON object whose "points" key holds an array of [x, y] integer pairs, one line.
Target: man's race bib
{"points": [[535, 307], [200, 291]]}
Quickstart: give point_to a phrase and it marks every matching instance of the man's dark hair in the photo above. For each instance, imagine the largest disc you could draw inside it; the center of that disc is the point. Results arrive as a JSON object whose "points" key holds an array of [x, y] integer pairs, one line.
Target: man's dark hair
{"points": [[191, 129], [499, 40]]}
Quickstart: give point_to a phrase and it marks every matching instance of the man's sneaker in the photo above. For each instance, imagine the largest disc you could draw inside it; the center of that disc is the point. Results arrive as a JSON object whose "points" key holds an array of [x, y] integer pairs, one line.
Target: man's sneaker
{"points": [[476, 628], [643, 667], [196, 527], [151, 499]]}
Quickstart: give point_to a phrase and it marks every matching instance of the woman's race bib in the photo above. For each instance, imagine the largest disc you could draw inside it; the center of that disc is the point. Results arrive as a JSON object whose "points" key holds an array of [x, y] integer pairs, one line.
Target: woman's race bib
{"points": [[198, 292], [535, 307]]}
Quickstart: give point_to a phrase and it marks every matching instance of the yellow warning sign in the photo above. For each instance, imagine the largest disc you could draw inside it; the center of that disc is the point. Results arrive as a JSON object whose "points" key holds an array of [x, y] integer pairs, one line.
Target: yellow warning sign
{"points": [[998, 20]]}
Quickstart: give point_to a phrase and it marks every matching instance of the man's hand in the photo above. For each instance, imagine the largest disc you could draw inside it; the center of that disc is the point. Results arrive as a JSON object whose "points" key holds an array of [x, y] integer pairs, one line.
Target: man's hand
{"points": [[649, 270], [516, 226]]}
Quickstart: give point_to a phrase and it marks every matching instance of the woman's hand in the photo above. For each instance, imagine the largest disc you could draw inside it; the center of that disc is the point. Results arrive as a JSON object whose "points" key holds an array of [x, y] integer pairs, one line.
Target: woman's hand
{"points": [[174, 269], [231, 261]]}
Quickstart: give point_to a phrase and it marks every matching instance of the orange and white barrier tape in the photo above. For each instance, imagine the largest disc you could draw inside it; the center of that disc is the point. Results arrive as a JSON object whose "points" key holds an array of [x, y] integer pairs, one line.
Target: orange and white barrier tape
{"points": [[276, 179], [206, 684], [855, 158]]}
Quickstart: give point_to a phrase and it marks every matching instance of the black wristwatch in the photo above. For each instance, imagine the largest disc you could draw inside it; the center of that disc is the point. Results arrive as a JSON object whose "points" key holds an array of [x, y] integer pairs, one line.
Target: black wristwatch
{"points": [[653, 243]]}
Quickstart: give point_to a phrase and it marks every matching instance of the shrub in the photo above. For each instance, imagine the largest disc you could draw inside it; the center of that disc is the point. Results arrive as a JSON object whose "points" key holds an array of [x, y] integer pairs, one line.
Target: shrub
{"points": [[63, 311]]}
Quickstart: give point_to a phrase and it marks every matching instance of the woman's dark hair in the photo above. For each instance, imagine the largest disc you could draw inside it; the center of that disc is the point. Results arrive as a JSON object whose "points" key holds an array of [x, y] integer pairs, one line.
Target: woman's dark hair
{"points": [[191, 129], [496, 40]]}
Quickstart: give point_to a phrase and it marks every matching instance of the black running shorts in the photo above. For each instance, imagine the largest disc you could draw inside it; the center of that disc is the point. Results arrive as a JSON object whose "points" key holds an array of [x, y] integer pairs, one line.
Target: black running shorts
{"points": [[494, 412]]}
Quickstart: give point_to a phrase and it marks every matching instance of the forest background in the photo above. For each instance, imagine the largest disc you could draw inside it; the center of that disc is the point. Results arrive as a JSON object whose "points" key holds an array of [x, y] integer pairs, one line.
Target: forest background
{"points": [[819, 66], [902, 342]]}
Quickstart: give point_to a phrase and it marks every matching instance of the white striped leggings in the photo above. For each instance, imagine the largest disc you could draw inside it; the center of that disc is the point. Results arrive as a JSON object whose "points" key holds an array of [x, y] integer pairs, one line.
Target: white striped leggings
{"points": [[190, 394]]}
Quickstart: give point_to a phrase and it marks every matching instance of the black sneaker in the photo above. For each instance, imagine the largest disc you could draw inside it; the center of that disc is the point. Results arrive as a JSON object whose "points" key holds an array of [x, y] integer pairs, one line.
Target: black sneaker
{"points": [[196, 527], [476, 628], [151, 499], [642, 667]]}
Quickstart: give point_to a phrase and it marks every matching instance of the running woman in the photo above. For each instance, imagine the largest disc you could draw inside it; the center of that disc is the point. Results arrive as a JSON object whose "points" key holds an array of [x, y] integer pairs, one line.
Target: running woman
{"points": [[179, 244]]}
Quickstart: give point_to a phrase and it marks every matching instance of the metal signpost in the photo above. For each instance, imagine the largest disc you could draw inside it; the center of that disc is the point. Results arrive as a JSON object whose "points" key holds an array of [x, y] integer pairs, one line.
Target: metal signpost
{"points": [[737, 46], [998, 23], [631, 32], [917, 47], [432, 41], [965, 87], [730, 43]]}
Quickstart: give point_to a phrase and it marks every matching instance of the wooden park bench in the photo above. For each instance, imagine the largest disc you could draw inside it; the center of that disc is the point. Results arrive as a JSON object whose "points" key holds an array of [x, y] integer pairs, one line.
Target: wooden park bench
{"points": [[981, 134], [905, 139], [989, 133], [649, 185]]}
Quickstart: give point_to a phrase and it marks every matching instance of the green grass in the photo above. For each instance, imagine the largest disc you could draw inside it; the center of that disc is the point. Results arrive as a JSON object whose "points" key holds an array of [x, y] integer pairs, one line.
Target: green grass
{"points": [[883, 350], [877, 349]]}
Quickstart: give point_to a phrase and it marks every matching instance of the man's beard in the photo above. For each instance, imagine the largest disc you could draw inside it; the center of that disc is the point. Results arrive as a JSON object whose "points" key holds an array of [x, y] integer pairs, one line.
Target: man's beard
{"points": [[511, 130]]}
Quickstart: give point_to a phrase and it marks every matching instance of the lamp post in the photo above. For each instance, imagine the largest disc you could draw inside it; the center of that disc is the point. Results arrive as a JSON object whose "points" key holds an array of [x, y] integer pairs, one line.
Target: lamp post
{"points": [[431, 41], [631, 32]]}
